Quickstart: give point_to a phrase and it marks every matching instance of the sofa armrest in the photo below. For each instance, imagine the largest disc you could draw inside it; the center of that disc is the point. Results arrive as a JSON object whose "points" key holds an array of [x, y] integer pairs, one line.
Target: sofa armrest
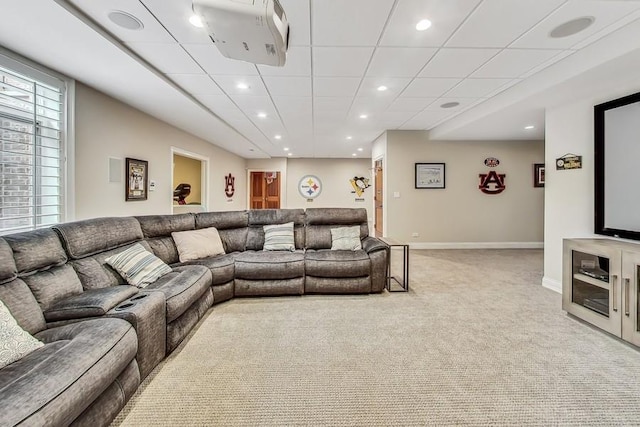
{"points": [[90, 303], [371, 244]]}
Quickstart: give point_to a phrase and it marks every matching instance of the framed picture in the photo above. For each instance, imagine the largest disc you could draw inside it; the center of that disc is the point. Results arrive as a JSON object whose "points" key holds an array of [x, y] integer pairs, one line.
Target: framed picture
{"points": [[136, 180], [429, 175], [538, 175]]}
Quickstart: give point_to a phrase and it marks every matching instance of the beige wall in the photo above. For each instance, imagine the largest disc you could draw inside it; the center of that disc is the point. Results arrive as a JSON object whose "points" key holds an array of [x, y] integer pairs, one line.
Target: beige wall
{"points": [[461, 215], [107, 128], [188, 171]]}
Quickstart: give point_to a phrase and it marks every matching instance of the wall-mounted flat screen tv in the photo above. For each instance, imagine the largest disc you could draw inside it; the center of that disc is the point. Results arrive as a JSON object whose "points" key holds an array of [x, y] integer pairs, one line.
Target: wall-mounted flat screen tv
{"points": [[617, 167]]}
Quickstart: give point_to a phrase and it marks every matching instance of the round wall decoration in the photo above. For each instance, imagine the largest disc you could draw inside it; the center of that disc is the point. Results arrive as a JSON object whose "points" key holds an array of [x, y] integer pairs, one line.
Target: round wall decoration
{"points": [[310, 186], [492, 162]]}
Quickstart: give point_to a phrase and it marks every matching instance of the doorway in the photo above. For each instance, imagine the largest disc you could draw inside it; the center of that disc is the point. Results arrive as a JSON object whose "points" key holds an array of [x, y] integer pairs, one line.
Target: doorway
{"points": [[264, 190], [189, 174], [378, 197]]}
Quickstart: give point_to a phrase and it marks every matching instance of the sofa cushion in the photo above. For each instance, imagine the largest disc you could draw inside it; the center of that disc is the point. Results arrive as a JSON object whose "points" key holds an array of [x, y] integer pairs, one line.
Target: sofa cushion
{"points": [[328, 263], [345, 238], [164, 248], [260, 265], [15, 342], [222, 267], [92, 236], [8, 269], [197, 244], [36, 250], [138, 266], [320, 221], [232, 227], [261, 217], [53, 285], [22, 305], [91, 303], [279, 237], [164, 225]]}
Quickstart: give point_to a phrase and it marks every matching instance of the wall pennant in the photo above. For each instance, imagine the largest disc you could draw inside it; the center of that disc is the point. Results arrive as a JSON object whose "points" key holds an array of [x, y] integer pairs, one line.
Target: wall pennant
{"points": [[492, 182], [229, 185], [359, 184]]}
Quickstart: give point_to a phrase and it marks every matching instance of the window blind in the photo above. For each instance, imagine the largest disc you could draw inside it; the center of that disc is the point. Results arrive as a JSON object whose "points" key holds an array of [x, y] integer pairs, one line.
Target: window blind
{"points": [[31, 150]]}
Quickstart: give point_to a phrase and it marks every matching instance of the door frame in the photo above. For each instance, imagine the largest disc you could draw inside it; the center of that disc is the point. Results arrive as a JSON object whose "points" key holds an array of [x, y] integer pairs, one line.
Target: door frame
{"points": [[384, 193], [283, 187], [204, 175]]}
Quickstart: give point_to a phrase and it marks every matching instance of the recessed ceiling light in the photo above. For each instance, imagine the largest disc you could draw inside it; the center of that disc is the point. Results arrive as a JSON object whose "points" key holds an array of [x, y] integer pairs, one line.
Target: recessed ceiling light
{"points": [[359, 149], [242, 86], [278, 137], [423, 25], [290, 154], [572, 27], [354, 154], [349, 137], [382, 88], [286, 148], [449, 104], [363, 116], [529, 127], [196, 21], [262, 115], [125, 20]]}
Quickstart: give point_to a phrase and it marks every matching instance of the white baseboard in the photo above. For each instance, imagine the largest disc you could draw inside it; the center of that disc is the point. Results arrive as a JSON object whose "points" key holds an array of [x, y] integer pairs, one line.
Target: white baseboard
{"points": [[476, 245], [552, 284]]}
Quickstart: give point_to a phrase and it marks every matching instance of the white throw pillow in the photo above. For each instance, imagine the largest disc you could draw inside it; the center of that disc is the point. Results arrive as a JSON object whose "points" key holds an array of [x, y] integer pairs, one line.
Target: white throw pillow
{"points": [[15, 342], [346, 238], [138, 266], [196, 244], [279, 237]]}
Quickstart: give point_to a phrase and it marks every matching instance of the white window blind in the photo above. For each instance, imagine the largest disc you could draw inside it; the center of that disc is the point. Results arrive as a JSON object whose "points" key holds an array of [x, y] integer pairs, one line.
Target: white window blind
{"points": [[31, 149]]}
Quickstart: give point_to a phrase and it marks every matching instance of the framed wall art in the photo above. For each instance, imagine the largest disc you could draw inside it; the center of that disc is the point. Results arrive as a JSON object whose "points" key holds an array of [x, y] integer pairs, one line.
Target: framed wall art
{"points": [[538, 175], [430, 175], [137, 179]]}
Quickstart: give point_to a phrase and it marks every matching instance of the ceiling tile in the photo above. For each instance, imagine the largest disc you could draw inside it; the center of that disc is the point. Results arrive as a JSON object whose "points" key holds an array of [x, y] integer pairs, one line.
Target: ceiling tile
{"points": [[212, 61], [298, 64], [218, 103], [426, 120], [405, 104], [174, 16], [230, 85], [369, 105], [332, 103], [399, 61], [333, 86], [394, 86], [168, 58], [445, 15], [463, 103], [292, 104], [298, 15], [430, 88], [476, 88], [288, 86], [395, 118], [252, 105], [340, 61], [348, 23], [497, 23], [196, 83], [457, 62], [604, 12], [512, 63]]}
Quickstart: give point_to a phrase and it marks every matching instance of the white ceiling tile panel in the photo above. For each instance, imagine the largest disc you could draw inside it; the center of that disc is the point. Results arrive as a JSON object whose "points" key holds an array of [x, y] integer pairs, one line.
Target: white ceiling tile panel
{"points": [[298, 15], [394, 86], [476, 88], [399, 61], [230, 85], [547, 63], [512, 63], [153, 31], [334, 86], [445, 16], [340, 61], [292, 104], [604, 12], [298, 64], [332, 103], [196, 83], [414, 105], [457, 62], [426, 120], [252, 105], [395, 118], [497, 23], [429, 88], [168, 58], [368, 104], [174, 16], [288, 86], [463, 103], [212, 61], [348, 23], [218, 103]]}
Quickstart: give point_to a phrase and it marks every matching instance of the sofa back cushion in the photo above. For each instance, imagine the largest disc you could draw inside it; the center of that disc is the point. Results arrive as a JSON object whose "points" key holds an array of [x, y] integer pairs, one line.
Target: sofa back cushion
{"points": [[8, 269], [258, 218], [22, 305], [93, 236], [157, 231], [232, 227], [320, 221]]}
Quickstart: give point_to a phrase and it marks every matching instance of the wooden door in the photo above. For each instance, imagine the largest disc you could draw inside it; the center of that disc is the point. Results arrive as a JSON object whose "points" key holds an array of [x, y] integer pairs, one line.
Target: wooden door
{"points": [[264, 190], [378, 197]]}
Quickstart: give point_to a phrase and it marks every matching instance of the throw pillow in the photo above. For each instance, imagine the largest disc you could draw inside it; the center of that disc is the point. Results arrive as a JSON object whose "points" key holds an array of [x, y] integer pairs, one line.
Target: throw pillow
{"points": [[138, 266], [346, 238], [196, 244], [15, 342], [279, 237]]}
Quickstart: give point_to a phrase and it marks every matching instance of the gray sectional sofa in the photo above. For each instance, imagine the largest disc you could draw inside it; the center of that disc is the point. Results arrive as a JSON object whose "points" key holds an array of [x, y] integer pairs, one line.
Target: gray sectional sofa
{"points": [[103, 336]]}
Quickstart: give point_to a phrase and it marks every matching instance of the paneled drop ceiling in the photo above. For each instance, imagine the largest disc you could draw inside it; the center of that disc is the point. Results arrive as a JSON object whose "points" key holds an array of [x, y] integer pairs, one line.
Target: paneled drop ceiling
{"points": [[326, 102]]}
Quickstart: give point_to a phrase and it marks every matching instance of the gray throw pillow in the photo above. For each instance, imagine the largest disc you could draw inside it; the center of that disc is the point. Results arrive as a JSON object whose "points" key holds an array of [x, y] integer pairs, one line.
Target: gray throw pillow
{"points": [[15, 342], [279, 237], [346, 238], [138, 266]]}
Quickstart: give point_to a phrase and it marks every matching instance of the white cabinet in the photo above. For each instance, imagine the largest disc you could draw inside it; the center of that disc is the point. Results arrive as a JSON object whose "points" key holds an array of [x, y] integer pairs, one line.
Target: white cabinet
{"points": [[600, 284]]}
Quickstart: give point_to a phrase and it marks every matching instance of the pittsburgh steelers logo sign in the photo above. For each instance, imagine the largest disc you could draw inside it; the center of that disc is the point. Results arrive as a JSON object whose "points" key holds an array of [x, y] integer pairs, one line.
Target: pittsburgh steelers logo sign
{"points": [[310, 186]]}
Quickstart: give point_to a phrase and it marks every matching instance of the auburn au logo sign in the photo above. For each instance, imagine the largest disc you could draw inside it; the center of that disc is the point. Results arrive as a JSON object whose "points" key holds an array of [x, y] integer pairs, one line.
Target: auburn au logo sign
{"points": [[229, 185], [492, 182]]}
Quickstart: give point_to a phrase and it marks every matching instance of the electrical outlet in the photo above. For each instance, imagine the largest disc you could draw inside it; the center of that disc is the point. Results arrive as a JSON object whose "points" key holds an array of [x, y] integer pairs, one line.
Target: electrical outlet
{"points": [[415, 235]]}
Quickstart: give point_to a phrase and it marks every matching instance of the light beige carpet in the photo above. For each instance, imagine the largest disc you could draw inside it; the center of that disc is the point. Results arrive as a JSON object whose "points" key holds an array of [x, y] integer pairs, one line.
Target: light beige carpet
{"points": [[477, 341]]}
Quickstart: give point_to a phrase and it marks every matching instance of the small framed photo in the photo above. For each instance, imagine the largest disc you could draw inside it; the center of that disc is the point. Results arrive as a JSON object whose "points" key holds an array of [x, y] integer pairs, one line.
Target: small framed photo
{"points": [[430, 175], [538, 175], [137, 179]]}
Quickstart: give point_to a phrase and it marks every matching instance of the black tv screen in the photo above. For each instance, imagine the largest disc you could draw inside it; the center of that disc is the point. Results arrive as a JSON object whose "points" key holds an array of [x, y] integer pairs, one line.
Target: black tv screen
{"points": [[617, 167]]}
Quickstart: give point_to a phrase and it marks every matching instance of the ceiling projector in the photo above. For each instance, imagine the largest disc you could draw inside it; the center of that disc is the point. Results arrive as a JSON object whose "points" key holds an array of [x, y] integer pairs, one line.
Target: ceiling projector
{"points": [[255, 31]]}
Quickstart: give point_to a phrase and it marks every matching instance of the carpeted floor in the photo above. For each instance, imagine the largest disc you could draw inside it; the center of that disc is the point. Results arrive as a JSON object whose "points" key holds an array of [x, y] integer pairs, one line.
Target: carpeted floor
{"points": [[477, 341]]}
